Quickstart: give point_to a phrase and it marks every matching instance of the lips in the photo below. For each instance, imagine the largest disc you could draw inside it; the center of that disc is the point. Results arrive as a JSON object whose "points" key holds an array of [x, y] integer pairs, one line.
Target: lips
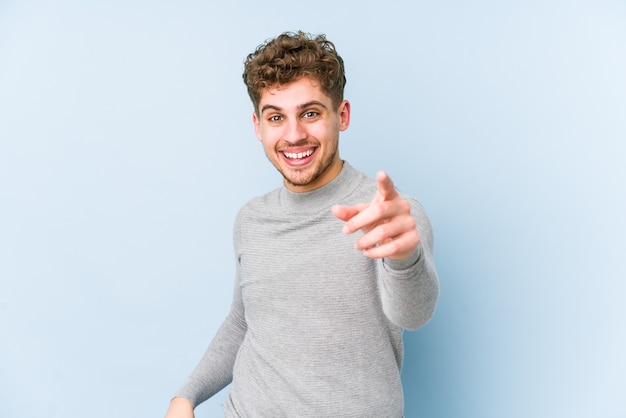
{"points": [[298, 156]]}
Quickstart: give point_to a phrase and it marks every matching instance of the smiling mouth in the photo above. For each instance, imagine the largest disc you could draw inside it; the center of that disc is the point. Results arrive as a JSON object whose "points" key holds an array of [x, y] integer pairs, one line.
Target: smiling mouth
{"points": [[299, 155]]}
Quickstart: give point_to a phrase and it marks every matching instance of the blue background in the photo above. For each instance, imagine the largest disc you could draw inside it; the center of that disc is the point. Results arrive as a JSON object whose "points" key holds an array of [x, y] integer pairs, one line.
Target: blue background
{"points": [[126, 148]]}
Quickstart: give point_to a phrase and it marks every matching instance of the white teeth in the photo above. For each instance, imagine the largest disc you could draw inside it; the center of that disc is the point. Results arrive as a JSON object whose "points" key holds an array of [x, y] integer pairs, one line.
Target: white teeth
{"points": [[298, 155]]}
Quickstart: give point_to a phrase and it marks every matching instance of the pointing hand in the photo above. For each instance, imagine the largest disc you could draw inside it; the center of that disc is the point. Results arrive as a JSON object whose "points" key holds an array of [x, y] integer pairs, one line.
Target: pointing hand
{"points": [[388, 228]]}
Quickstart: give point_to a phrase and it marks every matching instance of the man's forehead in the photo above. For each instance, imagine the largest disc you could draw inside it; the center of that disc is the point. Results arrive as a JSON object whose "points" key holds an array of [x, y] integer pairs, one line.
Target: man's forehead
{"points": [[294, 94]]}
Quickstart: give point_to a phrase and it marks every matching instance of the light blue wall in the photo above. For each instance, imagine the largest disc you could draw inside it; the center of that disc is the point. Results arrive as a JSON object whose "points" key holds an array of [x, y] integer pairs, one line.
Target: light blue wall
{"points": [[126, 148]]}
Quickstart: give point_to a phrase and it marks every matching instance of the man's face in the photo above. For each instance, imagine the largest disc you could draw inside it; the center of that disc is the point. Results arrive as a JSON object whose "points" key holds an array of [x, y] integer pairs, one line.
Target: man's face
{"points": [[299, 128]]}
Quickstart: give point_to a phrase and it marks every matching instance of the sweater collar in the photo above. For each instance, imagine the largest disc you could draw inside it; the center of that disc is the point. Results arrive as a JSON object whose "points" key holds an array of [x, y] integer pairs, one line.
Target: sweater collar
{"points": [[319, 199]]}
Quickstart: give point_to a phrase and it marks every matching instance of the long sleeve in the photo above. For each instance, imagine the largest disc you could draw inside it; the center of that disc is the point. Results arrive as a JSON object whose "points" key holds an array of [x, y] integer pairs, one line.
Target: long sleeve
{"points": [[410, 288], [215, 369]]}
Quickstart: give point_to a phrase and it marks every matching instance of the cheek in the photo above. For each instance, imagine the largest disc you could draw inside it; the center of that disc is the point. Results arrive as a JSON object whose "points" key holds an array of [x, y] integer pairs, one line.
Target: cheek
{"points": [[268, 138], [271, 135], [327, 133], [330, 129], [261, 133]]}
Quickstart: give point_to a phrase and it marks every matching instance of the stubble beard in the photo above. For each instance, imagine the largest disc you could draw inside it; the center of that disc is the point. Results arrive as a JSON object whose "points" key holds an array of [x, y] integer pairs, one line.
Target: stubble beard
{"points": [[301, 178]]}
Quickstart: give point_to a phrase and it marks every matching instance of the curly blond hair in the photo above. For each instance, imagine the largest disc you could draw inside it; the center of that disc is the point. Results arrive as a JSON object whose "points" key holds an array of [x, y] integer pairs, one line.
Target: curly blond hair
{"points": [[291, 56]]}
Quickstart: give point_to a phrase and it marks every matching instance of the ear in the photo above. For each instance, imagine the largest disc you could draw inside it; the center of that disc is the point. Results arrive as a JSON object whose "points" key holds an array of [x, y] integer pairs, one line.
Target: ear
{"points": [[344, 115], [257, 126]]}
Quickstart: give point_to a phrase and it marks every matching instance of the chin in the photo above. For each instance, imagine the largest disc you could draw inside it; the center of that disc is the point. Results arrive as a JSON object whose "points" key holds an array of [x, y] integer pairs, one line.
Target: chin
{"points": [[303, 180]]}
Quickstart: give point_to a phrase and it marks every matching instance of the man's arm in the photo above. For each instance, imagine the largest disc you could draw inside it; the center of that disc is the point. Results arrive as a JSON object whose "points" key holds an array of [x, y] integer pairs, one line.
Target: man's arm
{"points": [[398, 233], [215, 370], [409, 288]]}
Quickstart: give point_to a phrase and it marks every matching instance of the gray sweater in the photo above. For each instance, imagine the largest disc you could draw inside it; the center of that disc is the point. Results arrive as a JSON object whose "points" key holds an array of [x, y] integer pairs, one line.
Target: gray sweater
{"points": [[315, 328]]}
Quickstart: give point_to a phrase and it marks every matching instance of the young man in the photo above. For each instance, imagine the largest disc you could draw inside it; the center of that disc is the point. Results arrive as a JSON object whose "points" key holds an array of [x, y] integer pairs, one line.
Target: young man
{"points": [[315, 328]]}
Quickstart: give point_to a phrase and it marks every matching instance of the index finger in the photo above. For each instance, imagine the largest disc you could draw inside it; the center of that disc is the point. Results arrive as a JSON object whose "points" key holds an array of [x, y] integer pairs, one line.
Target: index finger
{"points": [[386, 190]]}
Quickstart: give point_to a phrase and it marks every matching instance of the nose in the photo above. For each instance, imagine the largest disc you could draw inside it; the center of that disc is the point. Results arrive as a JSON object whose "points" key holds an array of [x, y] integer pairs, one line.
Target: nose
{"points": [[294, 131]]}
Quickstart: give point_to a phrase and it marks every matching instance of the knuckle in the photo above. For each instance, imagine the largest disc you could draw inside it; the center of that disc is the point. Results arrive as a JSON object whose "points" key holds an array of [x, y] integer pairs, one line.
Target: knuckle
{"points": [[395, 246], [378, 209], [385, 230], [405, 205]]}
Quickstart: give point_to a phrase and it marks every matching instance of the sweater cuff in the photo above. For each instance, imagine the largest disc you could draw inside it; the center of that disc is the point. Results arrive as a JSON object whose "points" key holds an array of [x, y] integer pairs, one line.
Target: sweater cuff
{"points": [[412, 260]]}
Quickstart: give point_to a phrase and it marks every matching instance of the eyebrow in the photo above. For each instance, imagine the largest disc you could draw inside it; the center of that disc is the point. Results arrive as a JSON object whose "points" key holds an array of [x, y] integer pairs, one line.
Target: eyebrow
{"points": [[302, 106]]}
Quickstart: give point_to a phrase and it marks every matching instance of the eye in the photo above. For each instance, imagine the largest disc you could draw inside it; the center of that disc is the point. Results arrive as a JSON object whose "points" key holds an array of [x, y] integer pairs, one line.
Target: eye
{"points": [[275, 118], [310, 114]]}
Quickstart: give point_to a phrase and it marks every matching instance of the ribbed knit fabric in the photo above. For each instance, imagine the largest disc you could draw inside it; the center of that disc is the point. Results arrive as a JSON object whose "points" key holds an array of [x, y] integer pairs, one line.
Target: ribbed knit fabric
{"points": [[315, 328]]}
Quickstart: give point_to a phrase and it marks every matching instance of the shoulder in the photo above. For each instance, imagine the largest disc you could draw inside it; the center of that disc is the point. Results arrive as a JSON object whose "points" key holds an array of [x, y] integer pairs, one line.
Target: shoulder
{"points": [[263, 204], [260, 203]]}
